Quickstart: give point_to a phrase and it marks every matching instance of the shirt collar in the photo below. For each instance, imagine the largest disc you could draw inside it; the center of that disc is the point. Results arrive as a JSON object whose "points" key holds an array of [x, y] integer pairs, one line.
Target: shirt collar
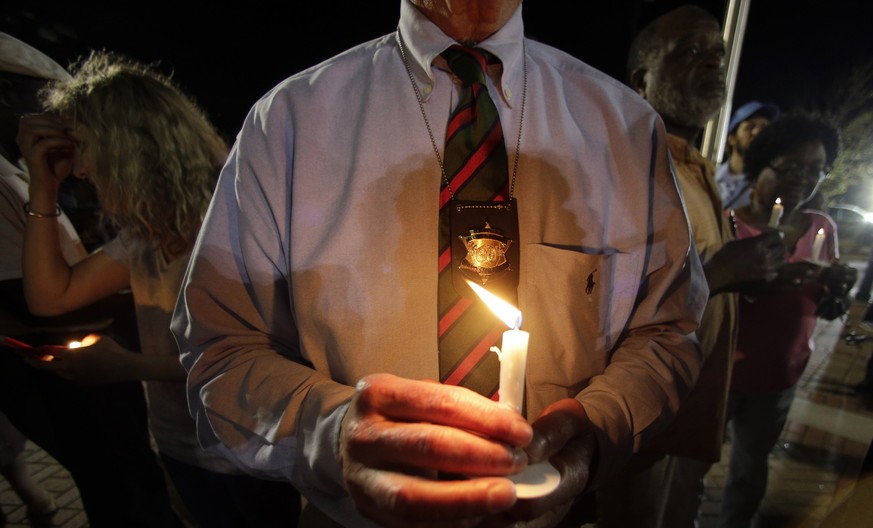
{"points": [[684, 152], [424, 41]]}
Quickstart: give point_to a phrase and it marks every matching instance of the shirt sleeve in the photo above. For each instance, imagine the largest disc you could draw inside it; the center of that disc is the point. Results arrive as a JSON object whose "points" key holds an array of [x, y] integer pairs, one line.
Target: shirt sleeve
{"points": [[253, 396], [657, 361], [119, 248], [12, 225]]}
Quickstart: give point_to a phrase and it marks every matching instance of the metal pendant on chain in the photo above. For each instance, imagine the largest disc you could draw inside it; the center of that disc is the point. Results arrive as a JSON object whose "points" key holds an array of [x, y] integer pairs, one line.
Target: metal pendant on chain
{"points": [[484, 235]]}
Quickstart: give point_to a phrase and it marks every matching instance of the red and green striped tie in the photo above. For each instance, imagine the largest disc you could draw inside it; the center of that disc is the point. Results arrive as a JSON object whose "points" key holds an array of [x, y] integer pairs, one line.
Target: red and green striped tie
{"points": [[475, 164]]}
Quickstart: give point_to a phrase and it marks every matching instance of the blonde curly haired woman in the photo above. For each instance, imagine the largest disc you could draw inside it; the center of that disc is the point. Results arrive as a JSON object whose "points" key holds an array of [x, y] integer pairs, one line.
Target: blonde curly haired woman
{"points": [[154, 158]]}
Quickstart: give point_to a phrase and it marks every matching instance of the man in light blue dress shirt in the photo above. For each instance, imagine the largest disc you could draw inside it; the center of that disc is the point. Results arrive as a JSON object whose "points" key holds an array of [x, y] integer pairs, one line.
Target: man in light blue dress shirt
{"points": [[308, 318]]}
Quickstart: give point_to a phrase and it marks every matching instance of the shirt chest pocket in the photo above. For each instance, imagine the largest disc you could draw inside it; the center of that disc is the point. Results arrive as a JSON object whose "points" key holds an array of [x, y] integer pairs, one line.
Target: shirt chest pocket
{"points": [[575, 305]]}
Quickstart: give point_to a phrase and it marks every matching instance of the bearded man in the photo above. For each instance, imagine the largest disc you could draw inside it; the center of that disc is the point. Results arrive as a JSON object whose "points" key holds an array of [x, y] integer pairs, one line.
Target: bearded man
{"points": [[676, 63], [747, 122]]}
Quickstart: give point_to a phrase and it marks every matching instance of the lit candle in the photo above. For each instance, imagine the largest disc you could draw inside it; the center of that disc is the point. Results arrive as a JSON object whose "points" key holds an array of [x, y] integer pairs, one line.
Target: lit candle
{"points": [[513, 358], [86, 341], [513, 355], [776, 213], [536, 480], [817, 245]]}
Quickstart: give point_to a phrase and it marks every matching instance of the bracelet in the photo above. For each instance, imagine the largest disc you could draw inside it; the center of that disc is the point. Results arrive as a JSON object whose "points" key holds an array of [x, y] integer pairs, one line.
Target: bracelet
{"points": [[56, 214]]}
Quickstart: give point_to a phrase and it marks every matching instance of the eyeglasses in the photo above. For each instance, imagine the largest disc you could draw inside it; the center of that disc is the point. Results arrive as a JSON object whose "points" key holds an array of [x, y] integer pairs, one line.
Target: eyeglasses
{"points": [[812, 174]]}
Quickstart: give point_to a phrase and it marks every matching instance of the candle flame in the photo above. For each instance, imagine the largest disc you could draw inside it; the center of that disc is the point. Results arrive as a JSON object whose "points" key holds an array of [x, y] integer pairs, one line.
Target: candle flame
{"points": [[821, 231], [509, 314], [778, 201], [86, 341]]}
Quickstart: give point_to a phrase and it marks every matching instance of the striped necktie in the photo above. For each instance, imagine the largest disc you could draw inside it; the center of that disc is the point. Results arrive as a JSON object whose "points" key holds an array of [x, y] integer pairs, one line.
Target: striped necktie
{"points": [[476, 167]]}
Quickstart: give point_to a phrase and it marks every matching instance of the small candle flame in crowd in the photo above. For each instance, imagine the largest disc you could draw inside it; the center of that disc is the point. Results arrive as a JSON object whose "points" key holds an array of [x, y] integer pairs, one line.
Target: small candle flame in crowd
{"points": [[776, 213], [86, 341], [817, 245]]}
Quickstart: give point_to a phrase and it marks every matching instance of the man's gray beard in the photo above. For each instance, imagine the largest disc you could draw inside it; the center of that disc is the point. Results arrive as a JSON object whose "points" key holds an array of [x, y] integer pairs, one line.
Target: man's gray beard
{"points": [[675, 106]]}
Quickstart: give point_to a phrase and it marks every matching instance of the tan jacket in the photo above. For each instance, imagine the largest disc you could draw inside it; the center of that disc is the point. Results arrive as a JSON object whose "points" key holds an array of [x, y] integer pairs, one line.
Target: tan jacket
{"points": [[698, 430]]}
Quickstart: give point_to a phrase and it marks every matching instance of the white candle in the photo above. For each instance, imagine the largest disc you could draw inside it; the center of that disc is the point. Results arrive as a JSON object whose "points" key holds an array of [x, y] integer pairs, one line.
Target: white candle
{"points": [[776, 213], [513, 355], [513, 359], [817, 245], [536, 480]]}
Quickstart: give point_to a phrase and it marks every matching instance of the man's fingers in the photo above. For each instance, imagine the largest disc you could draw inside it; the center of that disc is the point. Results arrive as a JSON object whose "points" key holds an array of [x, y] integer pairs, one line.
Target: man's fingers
{"points": [[383, 443], [394, 499], [398, 432], [558, 423], [415, 401]]}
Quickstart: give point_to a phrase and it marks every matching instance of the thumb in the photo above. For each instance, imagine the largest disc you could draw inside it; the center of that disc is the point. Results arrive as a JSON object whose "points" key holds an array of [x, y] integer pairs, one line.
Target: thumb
{"points": [[557, 424], [58, 352]]}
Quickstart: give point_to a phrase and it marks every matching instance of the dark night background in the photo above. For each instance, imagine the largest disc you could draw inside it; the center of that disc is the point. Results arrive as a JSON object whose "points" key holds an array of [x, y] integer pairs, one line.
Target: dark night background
{"points": [[228, 57]]}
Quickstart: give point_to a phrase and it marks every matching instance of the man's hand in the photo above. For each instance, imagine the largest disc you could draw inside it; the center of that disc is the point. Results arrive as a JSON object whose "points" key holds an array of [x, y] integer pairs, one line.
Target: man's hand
{"points": [[837, 278], [562, 436], [399, 434], [740, 264], [796, 276]]}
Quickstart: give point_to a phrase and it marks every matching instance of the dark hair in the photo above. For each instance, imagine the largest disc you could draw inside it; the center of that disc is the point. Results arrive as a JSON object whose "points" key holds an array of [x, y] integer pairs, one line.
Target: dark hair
{"points": [[783, 135]]}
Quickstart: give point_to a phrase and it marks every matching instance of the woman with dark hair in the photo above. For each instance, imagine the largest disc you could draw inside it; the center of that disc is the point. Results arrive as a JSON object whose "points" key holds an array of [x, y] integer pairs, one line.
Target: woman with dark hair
{"points": [[153, 158], [786, 163]]}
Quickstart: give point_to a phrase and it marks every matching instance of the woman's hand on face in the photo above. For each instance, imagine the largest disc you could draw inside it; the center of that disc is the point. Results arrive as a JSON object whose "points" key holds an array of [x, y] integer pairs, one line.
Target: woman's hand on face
{"points": [[47, 149]]}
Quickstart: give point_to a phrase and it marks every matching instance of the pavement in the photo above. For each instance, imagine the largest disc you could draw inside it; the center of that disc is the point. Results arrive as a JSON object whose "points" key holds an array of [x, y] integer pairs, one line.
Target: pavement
{"points": [[816, 464], [813, 470], [57, 481]]}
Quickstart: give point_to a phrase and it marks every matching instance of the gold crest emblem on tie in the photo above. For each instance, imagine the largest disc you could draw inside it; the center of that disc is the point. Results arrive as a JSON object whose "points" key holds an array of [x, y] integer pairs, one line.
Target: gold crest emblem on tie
{"points": [[486, 253]]}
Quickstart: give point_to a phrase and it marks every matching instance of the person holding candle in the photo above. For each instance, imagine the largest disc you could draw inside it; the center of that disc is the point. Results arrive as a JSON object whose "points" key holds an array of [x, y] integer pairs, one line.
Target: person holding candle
{"points": [[789, 159], [120, 483], [676, 63], [153, 158], [308, 320]]}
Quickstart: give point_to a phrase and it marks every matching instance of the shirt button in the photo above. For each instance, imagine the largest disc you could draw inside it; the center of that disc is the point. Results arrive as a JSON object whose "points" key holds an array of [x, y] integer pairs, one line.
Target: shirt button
{"points": [[507, 93], [427, 89]]}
